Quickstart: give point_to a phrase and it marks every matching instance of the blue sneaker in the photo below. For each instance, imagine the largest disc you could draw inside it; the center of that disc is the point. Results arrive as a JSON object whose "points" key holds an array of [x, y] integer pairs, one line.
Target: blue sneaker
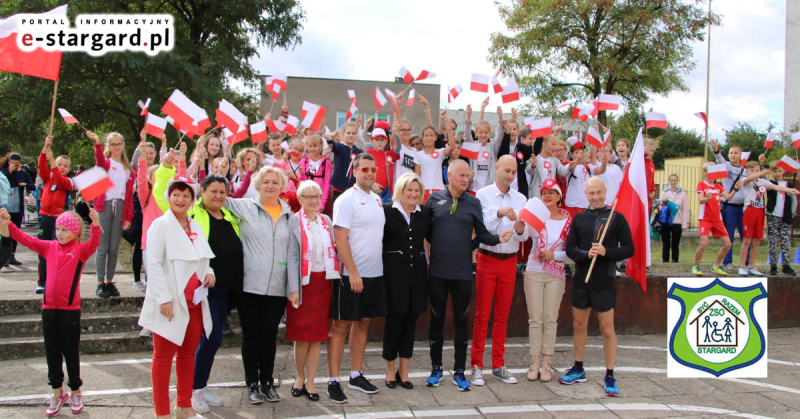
{"points": [[460, 380], [611, 386], [436, 377], [573, 376]]}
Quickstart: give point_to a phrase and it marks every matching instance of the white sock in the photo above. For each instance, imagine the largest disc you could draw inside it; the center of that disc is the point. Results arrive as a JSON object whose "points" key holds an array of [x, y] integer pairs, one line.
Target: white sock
{"points": [[354, 374], [333, 379]]}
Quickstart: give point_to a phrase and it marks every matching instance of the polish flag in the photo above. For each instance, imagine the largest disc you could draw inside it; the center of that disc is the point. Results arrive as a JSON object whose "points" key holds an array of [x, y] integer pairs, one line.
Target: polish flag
{"points": [[789, 164], [392, 98], [511, 91], [770, 140], [37, 63], [201, 123], [593, 137], [92, 183], [258, 132], [632, 204], [656, 120], [745, 156], [155, 125], [583, 111], [240, 136], [539, 127], [181, 109], [455, 91], [176, 125], [496, 85], [497, 72], [352, 95], [575, 142], [796, 139], [313, 115], [68, 118], [229, 116], [425, 74], [566, 103], [276, 126], [717, 171], [411, 97], [278, 83], [595, 109], [379, 98], [144, 106], [353, 109], [607, 138], [291, 125], [535, 214], [480, 83], [268, 84], [606, 102], [406, 75], [470, 150], [449, 96], [702, 115]]}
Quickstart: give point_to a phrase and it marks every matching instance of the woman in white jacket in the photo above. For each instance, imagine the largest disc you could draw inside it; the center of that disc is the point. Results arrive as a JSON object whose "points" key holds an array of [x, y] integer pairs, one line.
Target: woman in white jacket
{"points": [[175, 305]]}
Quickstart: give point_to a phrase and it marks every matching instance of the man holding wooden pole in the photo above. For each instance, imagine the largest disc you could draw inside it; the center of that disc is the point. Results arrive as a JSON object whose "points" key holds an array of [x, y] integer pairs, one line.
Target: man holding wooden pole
{"points": [[598, 239]]}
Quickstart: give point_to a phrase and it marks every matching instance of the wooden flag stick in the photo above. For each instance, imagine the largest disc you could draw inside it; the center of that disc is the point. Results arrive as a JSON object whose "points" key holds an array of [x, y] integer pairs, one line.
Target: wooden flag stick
{"points": [[602, 237], [180, 140], [272, 106], [53, 108]]}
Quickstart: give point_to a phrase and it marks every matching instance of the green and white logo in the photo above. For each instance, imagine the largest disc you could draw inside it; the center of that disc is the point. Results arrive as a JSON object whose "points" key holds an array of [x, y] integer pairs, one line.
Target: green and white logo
{"points": [[715, 327]]}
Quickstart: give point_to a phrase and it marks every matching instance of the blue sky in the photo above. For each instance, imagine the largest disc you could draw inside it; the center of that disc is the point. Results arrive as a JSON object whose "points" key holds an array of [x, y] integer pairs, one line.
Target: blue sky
{"points": [[363, 39]]}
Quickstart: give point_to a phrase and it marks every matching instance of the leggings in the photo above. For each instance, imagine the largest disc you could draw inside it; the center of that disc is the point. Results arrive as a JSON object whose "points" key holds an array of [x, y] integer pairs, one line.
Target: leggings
{"points": [[47, 231], [62, 338], [163, 353], [111, 223], [778, 234], [671, 237], [259, 316], [136, 262], [461, 291]]}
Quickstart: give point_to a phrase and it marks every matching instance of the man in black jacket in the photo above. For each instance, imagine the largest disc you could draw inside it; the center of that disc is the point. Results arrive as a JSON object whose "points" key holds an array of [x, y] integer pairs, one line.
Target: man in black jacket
{"points": [[598, 293]]}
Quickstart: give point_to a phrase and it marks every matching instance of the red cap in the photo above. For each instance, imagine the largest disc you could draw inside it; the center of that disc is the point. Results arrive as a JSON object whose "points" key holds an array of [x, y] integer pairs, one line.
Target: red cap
{"points": [[552, 185], [384, 125]]}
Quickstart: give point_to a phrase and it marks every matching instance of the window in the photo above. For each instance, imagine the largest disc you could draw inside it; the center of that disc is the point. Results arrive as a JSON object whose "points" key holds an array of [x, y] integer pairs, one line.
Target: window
{"points": [[340, 118]]}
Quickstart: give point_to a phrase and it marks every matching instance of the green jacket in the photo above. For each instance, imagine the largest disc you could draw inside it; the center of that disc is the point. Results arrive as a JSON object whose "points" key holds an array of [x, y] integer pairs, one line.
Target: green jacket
{"points": [[199, 213], [163, 175]]}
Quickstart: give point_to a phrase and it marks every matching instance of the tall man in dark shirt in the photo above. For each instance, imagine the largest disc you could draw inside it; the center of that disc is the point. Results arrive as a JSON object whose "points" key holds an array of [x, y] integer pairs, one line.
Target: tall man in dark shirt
{"points": [[455, 214], [599, 292]]}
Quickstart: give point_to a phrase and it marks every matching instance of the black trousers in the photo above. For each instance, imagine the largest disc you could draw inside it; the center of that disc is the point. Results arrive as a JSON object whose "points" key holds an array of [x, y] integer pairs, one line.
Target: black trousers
{"points": [[259, 316], [461, 292], [47, 231], [398, 338], [671, 237], [16, 218], [62, 338]]}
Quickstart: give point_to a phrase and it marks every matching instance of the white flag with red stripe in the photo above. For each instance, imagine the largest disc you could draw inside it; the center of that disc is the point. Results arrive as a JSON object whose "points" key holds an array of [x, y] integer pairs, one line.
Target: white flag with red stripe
{"points": [[566, 103], [656, 120], [480, 83], [229, 116], [632, 204], [717, 171], [470, 150], [511, 91], [796, 139], [279, 83], [411, 97], [606, 102], [539, 127], [702, 115], [351, 111], [498, 88], [379, 98], [789, 164], [745, 157], [291, 125], [258, 132], [313, 115], [582, 111], [39, 62], [535, 214], [92, 183], [455, 91], [182, 109], [176, 125], [68, 118], [144, 106], [276, 126], [770, 140], [352, 95], [607, 138], [425, 75], [240, 136], [268, 84], [594, 138], [406, 75], [392, 97], [155, 125], [575, 142]]}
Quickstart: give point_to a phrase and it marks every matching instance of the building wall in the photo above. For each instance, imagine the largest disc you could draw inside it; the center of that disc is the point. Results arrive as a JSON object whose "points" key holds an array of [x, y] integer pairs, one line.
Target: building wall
{"points": [[791, 107], [332, 95]]}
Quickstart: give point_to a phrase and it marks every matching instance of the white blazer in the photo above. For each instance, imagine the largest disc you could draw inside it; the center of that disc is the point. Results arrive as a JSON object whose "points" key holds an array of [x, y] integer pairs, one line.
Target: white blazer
{"points": [[172, 258]]}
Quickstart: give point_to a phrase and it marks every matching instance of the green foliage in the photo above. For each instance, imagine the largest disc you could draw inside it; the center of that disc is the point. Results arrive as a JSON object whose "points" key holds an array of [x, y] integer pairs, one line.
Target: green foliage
{"points": [[751, 139], [676, 142], [214, 41], [560, 49]]}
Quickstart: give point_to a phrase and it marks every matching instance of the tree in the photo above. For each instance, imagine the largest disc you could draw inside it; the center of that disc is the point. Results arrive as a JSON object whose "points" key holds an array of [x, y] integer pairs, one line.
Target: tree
{"points": [[214, 41], [561, 49], [751, 139], [676, 142]]}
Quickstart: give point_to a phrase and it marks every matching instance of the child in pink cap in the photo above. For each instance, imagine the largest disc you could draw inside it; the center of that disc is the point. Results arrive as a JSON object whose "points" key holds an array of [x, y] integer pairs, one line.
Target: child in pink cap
{"points": [[61, 303]]}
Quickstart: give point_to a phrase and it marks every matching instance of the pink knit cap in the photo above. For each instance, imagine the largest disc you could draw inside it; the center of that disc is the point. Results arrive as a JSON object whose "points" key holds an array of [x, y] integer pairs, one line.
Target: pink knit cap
{"points": [[70, 222]]}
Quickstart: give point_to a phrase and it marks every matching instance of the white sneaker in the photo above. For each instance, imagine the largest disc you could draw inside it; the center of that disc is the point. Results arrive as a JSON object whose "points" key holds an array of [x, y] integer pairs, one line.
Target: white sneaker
{"points": [[755, 272], [503, 374], [198, 402], [139, 286], [145, 333], [76, 402], [477, 376], [743, 271], [210, 398]]}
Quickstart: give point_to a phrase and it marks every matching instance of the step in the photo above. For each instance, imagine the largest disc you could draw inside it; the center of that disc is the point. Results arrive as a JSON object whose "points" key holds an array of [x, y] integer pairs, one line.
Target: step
{"points": [[88, 305]]}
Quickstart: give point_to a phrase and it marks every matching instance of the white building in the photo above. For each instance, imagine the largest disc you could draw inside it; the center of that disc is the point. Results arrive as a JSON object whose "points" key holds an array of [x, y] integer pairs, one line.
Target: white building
{"points": [[791, 107]]}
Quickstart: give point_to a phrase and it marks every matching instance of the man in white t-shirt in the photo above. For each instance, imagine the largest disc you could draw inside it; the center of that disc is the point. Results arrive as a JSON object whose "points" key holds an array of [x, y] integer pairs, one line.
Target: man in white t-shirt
{"points": [[359, 294], [612, 177]]}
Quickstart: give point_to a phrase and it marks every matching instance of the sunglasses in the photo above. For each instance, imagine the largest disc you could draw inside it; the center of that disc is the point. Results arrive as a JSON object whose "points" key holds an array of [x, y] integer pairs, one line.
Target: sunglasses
{"points": [[367, 169]]}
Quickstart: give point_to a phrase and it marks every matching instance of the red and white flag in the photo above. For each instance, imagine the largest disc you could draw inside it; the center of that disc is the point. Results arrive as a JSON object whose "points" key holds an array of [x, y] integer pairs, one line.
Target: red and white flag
{"points": [[392, 97], [595, 109], [352, 95], [535, 214], [656, 120], [425, 74], [68, 118], [632, 204], [566, 103], [201, 123], [606, 102], [411, 97], [406, 75], [470, 150], [313, 115], [229, 116], [379, 98], [176, 125], [258, 132], [789, 164], [291, 125], [278, 84], [155, 125], [594, 138], [498, 88], [745, 157], [702, 115], [276, 126], [717, 171], [240, 136], [144, 106], [796, 139], [582, 111], [575, 142], [480, 83], [449, 96], [351, 111], [181, 109], [37, 63], [607, 138], [539, 127], [92, 183], [455, 91], [268, 84], [770, 140], [511, 91]]}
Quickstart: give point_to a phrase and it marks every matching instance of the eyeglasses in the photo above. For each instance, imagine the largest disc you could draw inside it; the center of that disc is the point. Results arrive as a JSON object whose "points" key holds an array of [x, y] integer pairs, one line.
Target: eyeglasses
{"points": [[454, 206], [115, 144], [312, 197], [405, 130], [367, 169]]}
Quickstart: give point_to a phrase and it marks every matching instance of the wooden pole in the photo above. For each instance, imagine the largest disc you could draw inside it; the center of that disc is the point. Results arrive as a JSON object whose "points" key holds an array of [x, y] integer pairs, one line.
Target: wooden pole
{"points": [[272, 106], [602, 237], [53, 108], [708, 78]]}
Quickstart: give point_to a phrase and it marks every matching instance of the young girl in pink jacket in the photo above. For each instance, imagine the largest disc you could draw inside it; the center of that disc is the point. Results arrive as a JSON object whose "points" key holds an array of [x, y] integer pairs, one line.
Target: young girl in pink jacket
{"points": [[61, 303]]}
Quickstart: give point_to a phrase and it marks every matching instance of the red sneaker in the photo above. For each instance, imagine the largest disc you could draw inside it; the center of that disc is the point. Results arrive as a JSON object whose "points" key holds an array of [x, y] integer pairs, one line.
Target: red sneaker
{"points": [[76, 402], [55, 404]]}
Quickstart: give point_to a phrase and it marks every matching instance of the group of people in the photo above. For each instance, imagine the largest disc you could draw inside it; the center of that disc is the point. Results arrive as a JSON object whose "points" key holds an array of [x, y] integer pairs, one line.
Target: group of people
{"points": [[334, 229]]}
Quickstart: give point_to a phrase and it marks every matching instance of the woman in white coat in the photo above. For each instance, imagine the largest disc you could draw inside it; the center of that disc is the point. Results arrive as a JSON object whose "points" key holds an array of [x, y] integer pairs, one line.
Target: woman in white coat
{"points": [[175, 305]]}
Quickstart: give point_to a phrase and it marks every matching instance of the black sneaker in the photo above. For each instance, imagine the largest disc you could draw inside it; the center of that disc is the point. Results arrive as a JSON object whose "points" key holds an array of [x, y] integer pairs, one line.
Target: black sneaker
{"points": [[253, 394], [226, 327], [361, 384], [788, 270], [773, 270], [112, 289], [268, 390], [13, 261], [567, 270], [102, 291], [335, 392]]}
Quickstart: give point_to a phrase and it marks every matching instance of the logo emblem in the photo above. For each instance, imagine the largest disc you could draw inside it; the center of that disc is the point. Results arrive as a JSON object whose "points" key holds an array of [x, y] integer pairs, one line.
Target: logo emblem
{"points": [[717, 329], [485, 154], [435, 155], [520, 155]]}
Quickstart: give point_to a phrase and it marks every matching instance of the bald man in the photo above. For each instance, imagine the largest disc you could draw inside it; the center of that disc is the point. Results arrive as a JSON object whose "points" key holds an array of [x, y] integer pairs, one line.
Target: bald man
{"points": [[598, 293], [454, 215], [496, 274]]}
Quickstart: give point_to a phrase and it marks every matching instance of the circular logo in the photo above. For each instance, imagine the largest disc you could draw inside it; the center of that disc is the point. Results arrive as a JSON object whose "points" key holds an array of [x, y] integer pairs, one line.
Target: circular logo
{"points": [[352, 156], [762, 189], [485, 154], [520, 155], [389, 159], [435, 155], [718, 329], [547, 165]]}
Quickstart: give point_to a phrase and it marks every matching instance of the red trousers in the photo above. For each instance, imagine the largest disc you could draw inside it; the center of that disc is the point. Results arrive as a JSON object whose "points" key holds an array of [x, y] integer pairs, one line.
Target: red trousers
{"points": [[163, 353], [495, 280]]}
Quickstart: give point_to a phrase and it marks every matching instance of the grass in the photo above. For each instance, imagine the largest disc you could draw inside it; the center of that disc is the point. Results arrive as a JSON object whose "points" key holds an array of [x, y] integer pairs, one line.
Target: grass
{"points": [[687, 252]]}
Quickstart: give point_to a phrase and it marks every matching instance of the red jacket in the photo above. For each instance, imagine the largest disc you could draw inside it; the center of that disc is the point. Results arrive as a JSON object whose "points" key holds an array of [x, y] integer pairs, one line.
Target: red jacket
{"points": [[384, 161], [100, 201], [53, 202], [64, 266]]}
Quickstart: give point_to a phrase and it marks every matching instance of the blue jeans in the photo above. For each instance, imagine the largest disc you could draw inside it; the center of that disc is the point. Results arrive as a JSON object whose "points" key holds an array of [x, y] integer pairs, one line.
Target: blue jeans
{"points": [[732, 217], [218, 300], [386, 195]]}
